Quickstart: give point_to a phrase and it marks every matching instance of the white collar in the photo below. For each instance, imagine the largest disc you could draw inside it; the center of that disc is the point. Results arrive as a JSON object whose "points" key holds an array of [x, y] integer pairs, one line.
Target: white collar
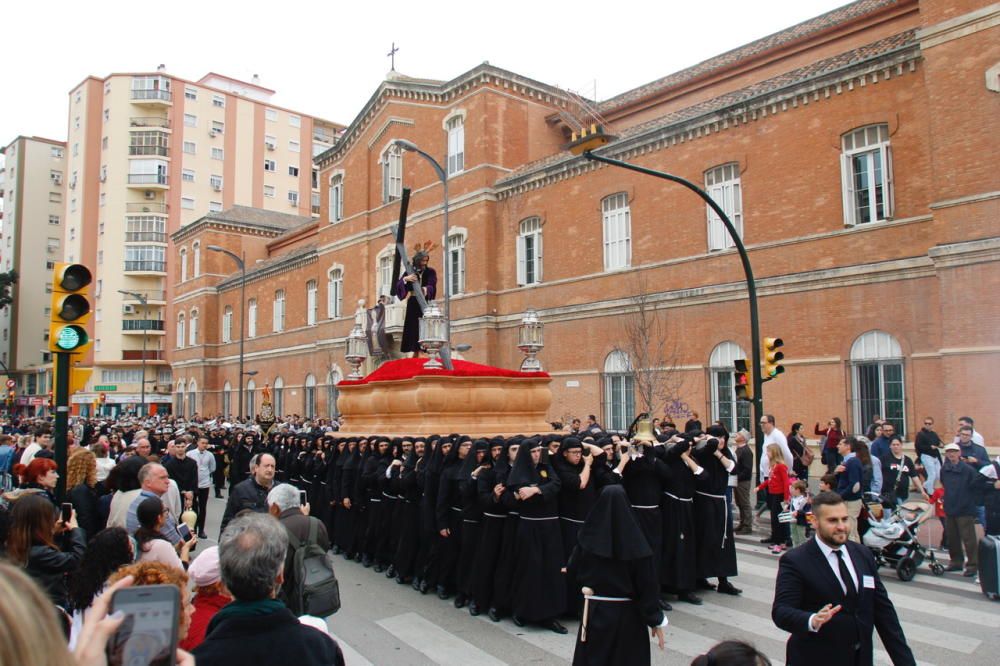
{"points": [[827, 550]]}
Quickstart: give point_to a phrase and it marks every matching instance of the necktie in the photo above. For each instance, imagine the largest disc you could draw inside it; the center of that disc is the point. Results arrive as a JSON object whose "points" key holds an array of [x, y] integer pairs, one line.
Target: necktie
{"points": [[845, 575]]}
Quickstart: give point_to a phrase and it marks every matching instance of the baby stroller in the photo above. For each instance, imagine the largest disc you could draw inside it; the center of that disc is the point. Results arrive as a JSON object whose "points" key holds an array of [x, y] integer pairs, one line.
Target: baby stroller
{"points": [[891, 537]]}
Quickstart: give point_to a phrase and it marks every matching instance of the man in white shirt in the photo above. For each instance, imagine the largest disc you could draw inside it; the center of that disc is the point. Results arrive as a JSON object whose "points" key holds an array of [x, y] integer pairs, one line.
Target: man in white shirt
{"points": [[205, 461], [773, 436]]}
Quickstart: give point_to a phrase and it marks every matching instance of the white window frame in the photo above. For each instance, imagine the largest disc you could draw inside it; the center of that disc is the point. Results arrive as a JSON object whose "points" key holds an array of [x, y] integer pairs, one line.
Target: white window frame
{"points": [[183, 254], [293, 197], [311, 303], [181, 328], [270, 166], [391, 160], [278, 396], [869, 145], [227, 399], [618, 398], [616, 219], [879, 352], [336, 198], [269, 191], [722, 380], [723, 184], [188, 175], [309, 397], [383, 272], [190, 120], [455, 128], [193, 328], [218, 154], [196, 258], [252, 318], [249, 405], [294, 121], [227, 324], [529, 251], [278, 313], [455, 270], [270, 114], [190, 93], [334, 292], [294, 146], [187, 203], [190, 147], [219, 101]]}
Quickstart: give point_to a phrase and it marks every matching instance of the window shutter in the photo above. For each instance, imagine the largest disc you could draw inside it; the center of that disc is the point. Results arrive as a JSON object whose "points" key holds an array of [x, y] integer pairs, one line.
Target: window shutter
{"points": [[890, 188], [538, 257], [716, 240], [847, 188]]}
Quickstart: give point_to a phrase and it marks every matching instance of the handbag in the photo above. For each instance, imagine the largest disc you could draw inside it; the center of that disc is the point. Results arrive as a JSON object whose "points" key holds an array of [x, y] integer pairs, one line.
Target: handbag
{"points": [[807, 456]]}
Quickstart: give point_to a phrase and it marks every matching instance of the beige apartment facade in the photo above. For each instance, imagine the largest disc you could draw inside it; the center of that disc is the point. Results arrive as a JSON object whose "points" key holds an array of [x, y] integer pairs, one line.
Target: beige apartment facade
{"points": [[33, 188], [147, 154]]}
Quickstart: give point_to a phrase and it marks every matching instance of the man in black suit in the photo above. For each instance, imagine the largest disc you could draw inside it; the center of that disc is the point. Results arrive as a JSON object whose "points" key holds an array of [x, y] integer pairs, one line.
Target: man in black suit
{"points": [[829, 597]]}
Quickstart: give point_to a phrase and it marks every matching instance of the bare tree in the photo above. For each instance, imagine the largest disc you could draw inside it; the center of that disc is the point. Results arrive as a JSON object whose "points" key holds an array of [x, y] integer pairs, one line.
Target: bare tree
{"points": [[652, 352]]}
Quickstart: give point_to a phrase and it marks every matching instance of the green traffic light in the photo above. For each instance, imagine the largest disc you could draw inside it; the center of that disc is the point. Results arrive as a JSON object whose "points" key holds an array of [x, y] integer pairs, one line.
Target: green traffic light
{"points": [[71, 337]]}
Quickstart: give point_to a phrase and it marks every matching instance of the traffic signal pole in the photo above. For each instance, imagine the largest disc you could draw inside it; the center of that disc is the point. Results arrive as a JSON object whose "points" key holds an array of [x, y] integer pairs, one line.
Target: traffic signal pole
{"points": [[61, 366]]}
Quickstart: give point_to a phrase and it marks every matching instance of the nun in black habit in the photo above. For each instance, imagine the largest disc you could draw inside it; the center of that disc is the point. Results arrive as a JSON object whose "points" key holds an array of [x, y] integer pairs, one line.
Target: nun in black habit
{"points": [[493, 517], [677, 563], [409, 514], [614, 564], [502, 584], [431, 544], [448, 516], [716, 550], [539, 588]]}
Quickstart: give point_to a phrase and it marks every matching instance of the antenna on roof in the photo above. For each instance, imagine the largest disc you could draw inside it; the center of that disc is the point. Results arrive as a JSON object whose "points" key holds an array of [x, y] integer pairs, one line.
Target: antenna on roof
{"points": [[581, 113]]}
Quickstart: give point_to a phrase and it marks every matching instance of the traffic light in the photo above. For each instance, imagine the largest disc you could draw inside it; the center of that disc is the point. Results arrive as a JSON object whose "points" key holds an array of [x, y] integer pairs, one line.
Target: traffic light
{"points": [[70, 308], [11, 397], [52, 400], [78, 378], [744, 380], [772, 358], [7, 281]]}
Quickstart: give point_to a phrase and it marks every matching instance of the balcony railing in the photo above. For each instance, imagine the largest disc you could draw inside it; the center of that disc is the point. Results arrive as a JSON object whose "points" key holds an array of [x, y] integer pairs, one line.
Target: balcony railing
{"points": [[150, 207], [149, 121], [152, 296], [146, 266], [143, 325], [162, 151], [147, 179], [151, 236], [137, 354], [151, 95]]}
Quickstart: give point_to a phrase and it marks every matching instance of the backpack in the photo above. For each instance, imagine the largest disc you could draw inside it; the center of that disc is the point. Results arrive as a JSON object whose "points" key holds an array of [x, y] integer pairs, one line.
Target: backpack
{"points": [[315, 590]]}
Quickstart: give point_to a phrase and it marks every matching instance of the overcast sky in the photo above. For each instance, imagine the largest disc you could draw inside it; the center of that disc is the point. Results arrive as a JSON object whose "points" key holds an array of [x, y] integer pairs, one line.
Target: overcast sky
{"points": [[326, 59]]}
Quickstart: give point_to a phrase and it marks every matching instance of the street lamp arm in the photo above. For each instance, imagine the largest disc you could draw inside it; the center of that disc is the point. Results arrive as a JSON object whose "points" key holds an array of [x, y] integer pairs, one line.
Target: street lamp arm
{"points": [[235, 257]]}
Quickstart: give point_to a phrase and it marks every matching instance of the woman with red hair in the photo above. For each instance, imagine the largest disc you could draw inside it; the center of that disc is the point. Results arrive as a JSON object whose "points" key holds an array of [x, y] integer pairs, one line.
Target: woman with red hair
{"points": [[39, 474]]}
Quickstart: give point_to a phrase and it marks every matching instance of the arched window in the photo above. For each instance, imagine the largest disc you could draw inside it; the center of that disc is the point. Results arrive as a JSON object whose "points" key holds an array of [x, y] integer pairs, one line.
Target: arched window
{"points": [[184, 263], [336, 212], [877, 380], [456, 262], [179, 399], [617, 221], [311, 306], [455, 126], [735, 415], [335, 293], [250, 407], [392, 173], [866, 175], [196, 257], [619, 391], [723, 184], [193, 328], [192, 398], [278, 313], [278, 391], [332, 379], [252, 318], [227, 324], [383, 272], [309, 397], [180, 330], [529, 251], [227, 400]]}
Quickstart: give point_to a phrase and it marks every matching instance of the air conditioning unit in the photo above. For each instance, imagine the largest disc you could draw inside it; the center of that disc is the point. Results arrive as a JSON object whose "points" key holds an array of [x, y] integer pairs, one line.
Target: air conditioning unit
{"points": [[217, 187], [270, 146], [72, 184], [104, 177], [150, 194], [213, 133], [128, 309], [57, 180], [161, 388]]}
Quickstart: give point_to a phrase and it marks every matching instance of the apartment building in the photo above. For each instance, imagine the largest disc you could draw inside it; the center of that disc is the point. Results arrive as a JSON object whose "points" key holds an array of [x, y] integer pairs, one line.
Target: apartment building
{"points": [[33, 188], [148, 153]]}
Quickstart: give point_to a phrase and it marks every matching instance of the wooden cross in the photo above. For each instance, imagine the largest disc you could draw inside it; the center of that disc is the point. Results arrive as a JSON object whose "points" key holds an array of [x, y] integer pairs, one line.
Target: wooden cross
{"points": [[392, 55]]}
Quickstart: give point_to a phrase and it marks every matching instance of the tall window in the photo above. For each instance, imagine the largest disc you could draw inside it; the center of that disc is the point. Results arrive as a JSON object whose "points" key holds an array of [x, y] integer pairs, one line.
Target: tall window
{"points": [[184, 264], [227, 400], [332, 379], [309, 397], [249, 401], [456, 263], [180, 330], [456, 145], [279, 396], [192, 395], [529, 251], [619, 392], [723, 185], [227, 324], [179, 399], [877, 380], [193, 329], [617, 231], [252, 318], [734, 415], [392, 173], [334, 293], [311, 303], [278, 319], [383, 275], [866, 175], [196, 258], [336, 198]]}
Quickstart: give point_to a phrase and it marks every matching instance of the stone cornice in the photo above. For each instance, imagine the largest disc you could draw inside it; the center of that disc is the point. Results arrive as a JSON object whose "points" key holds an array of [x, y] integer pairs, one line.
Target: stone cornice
{"points": [[279, 266], [960, 26], [242, 228], [965, 253]]}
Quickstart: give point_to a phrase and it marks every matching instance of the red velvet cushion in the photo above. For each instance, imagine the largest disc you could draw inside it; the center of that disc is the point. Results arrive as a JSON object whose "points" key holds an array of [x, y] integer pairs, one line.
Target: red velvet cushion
{"points": [[405, 368]]}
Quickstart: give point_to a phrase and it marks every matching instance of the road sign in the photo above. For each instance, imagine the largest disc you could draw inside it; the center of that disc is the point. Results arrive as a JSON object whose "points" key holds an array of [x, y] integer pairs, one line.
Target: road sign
{"points": [[11, 383]]}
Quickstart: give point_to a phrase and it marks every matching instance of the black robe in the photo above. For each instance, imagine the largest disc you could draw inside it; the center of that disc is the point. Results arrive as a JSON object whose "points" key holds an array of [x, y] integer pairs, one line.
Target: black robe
{"points": [[574, 505], [677, 562], [408, 545], [539, 588], [411, 323], [448, 515], [643, 479], [715, 547]]}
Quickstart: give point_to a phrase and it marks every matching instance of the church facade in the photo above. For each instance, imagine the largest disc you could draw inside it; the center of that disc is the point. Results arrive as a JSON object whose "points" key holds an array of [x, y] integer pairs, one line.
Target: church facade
{"points": [[854, 152]]}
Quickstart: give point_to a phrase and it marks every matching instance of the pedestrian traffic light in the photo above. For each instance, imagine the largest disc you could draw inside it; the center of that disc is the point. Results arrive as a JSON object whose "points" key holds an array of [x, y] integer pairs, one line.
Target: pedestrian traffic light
{"points": [[52, 400], [743, 380], [772, 358], [11, 396], [103, 398], [70, 308]]}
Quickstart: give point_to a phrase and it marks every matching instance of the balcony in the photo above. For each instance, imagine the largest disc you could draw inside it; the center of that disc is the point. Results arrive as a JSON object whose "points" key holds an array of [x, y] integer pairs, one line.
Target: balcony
{"points": [[145, 237], [149, 121], [161, 151], [158, 267], [147, 208], [153, 297], [137, 354], [151, 97], [147, 180], [143, 326]]}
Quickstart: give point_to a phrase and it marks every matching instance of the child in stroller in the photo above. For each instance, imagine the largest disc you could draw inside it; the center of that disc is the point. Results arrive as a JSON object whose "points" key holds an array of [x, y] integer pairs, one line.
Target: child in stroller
{"points": [[891, 536]]}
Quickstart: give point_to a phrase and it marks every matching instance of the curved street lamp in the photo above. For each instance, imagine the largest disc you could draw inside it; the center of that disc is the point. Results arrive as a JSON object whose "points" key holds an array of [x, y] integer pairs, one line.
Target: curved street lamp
{"points": [[241, 263]]}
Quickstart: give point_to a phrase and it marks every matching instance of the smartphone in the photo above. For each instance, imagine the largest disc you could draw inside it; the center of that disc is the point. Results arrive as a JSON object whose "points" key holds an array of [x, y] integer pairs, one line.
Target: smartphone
{"points": [[303, 500], [148, 635], [67, 511], [184, 531]]}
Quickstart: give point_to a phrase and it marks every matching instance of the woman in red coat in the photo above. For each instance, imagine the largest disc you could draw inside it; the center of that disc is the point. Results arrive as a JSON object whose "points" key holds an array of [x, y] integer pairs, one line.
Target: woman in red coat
{"points": [[777, 492], [833, 433], [210, 596]]}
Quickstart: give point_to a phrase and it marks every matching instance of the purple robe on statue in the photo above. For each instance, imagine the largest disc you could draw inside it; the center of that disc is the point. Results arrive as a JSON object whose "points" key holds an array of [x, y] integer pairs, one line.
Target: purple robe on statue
{"points": [[411, 325]]}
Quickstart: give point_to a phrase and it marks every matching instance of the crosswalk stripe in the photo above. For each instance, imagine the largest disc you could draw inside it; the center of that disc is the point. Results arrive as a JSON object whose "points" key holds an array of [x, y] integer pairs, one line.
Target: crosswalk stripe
{"points": [[351, 656], [691, 644], [909, 602], [553, 643], [440, 646]]}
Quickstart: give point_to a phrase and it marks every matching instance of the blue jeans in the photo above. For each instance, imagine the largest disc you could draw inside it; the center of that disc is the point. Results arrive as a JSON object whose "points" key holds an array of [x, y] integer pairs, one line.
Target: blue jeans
{"points": [[933, 468]]}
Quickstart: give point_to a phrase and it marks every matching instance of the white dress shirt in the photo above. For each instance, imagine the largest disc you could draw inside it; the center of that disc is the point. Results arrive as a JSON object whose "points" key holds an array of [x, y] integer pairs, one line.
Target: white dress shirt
{"points": [[831, 559], [776, 437]]}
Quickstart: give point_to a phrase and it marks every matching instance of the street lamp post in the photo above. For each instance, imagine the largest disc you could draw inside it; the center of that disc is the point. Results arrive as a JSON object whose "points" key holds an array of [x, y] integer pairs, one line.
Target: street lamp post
{"points": [[241, 262], [758, 384], [443, 176], [143, 301]]}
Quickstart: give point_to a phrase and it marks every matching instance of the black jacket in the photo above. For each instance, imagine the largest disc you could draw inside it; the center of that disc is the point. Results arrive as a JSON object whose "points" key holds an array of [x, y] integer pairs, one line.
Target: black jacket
{"points": [[84, 500], [246, 494], [184, 472], [244, 641], [744, 463], [50, 567], [963, 489]]}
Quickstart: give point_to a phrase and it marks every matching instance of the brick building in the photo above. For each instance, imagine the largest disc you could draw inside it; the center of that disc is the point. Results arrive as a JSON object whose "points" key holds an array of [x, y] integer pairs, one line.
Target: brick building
{"points": [[855, 151]]}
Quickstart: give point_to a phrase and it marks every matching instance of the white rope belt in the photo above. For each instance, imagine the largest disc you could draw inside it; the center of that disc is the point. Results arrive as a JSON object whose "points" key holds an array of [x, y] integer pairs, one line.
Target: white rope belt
{"points": [[640, 506], [552, 518], [679, 499], [493, 515], [578, 522], [588, 596], [455, 508], [723, 498]]}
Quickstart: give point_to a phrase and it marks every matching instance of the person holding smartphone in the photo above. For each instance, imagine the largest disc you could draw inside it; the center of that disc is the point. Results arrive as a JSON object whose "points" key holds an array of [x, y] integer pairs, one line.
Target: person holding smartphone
{"points": [[153, 547]]}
